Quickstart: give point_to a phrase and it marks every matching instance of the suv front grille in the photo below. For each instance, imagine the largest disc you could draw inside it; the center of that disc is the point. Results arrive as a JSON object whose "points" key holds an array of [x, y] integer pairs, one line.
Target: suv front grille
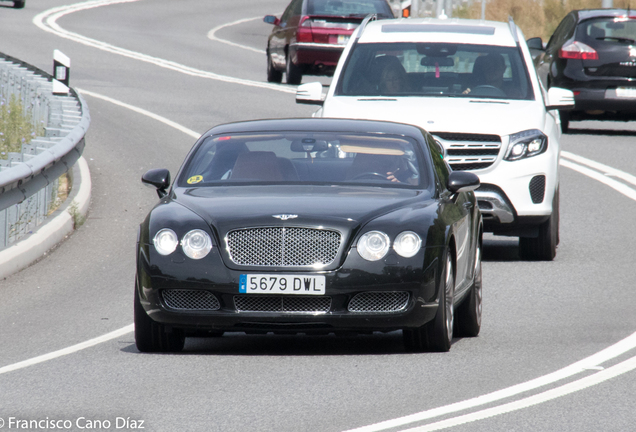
{"points": [[468, 151], [283, 247]]}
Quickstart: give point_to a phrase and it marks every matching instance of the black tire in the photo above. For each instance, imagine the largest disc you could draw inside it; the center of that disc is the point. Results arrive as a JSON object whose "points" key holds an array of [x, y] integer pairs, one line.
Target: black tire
{"points": [[19, 4], [468, 314], [565, 121], [293, 72], [273, 75], [151, 336], [543, 247], [436, 335]]}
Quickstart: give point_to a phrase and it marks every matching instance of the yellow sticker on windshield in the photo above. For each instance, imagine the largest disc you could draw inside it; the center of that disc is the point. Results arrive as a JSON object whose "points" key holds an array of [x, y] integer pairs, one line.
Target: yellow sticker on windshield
{"points": [[195, 179]]}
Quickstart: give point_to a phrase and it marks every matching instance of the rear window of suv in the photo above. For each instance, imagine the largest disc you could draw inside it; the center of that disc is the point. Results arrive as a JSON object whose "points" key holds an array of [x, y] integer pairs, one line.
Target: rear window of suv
{"points": [[435, 69]]}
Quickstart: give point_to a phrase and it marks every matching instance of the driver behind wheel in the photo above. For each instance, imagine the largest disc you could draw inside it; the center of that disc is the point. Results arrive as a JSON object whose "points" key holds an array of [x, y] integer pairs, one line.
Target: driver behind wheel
{"points": [[488, 71]]}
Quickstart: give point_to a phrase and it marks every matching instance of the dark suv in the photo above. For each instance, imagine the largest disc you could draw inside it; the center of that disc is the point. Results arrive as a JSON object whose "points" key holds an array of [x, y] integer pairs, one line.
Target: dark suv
{"points": [[311, 34], [592, 53]]}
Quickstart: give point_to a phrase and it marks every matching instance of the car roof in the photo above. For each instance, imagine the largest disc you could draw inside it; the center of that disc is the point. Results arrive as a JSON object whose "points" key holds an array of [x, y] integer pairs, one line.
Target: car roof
{"points": [[584, 14], [317, 125], [453, 30]]}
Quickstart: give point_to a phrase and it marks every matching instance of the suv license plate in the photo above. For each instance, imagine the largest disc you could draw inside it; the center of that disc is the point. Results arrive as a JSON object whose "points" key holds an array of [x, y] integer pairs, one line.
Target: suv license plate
{"points": [[626, 92], [281, 284]]}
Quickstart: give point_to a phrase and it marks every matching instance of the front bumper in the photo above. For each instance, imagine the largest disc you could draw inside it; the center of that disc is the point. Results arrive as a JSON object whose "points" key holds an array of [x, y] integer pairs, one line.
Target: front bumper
{"points": [[209, 279], [316, 55]]}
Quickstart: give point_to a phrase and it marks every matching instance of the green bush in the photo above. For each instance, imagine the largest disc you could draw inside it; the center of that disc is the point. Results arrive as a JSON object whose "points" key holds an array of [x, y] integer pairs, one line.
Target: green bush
{"points": [[16, 128]]}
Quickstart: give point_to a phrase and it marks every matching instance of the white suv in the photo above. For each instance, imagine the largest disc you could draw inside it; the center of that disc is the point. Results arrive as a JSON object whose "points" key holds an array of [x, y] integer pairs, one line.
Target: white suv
{"points": [[473, 86]]}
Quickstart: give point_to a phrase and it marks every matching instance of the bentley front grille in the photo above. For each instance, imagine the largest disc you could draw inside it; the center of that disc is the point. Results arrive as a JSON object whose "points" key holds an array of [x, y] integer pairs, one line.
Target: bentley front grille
{"points": [[290, 304], [195, 300], [468, 151], [283, 247], [379, 302]]}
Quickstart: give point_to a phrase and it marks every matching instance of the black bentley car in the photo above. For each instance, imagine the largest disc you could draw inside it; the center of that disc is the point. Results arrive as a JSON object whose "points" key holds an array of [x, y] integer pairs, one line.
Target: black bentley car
{"points": [[310, 226]]}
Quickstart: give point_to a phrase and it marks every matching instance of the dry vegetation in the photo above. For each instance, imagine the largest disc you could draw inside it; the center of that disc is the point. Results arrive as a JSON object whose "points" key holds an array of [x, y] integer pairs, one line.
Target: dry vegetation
{"points": [[535, 17]]}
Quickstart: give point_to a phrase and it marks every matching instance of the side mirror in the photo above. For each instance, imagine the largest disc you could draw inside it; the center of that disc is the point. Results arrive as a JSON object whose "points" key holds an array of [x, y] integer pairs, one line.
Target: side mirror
{"points": [[310, 94], [462, 181], [271, 19], [159, 179], [559, 98], [535, 43]]}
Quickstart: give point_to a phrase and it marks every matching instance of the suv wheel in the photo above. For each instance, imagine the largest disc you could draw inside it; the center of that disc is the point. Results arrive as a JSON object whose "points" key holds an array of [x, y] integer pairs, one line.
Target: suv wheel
{"points": [[18, 4], [543, 247], [565, 121]]}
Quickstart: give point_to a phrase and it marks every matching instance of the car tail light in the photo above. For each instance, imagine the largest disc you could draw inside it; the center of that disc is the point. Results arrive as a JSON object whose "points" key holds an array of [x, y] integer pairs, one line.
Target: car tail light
{"points": [[304, 33], [578, 50]]}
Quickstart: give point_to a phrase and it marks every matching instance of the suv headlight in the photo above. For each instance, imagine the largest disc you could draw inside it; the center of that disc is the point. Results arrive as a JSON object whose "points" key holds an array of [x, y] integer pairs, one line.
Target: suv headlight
{"points": [[526, 144]]}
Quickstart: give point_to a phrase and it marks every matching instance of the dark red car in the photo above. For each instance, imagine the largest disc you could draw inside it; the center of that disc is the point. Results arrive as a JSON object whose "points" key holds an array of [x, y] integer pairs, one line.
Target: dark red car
{"points": [[311, 34], [593, 53]]}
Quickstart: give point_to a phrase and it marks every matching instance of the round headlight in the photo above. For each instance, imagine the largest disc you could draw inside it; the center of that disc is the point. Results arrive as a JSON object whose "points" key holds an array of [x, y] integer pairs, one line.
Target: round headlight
{"points": [[165, 241], [196, 244], [373, 245], [407, 244]]}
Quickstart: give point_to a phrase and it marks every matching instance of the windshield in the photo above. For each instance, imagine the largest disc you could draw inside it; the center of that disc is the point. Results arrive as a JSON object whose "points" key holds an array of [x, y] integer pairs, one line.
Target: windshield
{"points": [[305, 158], [359, 8], [434, 69]]}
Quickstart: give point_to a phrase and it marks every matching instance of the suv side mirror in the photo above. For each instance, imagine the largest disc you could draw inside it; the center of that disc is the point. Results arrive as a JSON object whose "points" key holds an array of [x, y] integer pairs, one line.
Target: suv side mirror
{"points": [[559, 98], [158, 178], [462, 181], [310, 94]]}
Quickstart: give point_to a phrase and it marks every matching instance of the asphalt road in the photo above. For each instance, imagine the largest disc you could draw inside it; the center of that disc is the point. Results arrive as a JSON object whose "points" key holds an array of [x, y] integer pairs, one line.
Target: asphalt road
{"points": [[540, 319]]}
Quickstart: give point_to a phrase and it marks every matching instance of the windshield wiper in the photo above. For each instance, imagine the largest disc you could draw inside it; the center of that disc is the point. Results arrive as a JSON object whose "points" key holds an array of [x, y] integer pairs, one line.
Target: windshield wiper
{"points": [[619, 39]]}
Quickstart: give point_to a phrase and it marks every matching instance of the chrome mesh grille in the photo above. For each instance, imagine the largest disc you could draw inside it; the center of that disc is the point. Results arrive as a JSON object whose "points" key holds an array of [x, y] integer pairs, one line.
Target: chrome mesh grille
{"points": [[283, 247], [379, 302], [468, 151], [190, 300], [272, 303]]}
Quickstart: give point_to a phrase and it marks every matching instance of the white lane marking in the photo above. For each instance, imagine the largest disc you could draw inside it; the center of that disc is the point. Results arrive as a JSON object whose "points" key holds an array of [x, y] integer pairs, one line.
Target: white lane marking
{"points": [[66, 351], [608, 170], [616, 185], [564, 390], [212, 35], [142, 111], [592, 361], [47, 21]]}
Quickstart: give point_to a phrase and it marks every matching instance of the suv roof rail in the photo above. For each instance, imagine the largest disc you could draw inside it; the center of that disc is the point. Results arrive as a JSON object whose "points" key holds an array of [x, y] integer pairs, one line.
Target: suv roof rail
{"points": [[513, 29], [367, 20]]}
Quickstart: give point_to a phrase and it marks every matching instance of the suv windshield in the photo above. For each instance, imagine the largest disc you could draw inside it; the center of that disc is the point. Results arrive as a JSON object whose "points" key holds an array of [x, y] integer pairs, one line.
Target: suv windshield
{"points": [[435, 69], [359, 8], [305, 158]]}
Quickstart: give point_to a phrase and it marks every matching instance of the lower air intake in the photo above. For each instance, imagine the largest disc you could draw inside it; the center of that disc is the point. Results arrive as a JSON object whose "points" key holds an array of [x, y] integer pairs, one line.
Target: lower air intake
{"points": [[289, 304], [379, 302], [195, 300]]}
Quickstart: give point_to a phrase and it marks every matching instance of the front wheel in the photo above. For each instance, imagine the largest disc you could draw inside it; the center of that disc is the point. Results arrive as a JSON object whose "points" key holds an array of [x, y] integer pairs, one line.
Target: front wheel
{"points": [[436, 335], [544, 246], [294, 73], [469, 312], [565, 121], [18, 4], [151, 336]]}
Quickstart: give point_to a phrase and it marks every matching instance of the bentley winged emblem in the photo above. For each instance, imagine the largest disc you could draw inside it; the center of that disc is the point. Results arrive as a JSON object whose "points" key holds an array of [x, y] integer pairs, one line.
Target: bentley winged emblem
{"points": [[285, 216]]}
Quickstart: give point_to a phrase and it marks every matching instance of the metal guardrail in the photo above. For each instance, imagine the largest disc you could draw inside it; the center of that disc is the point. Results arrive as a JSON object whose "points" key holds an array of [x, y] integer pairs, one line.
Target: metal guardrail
{"points": [[29, 179]]}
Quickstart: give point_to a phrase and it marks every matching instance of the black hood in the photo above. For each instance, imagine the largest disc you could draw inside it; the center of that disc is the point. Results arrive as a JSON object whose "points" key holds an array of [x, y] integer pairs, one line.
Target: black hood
{"points": [[335, 207]]}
